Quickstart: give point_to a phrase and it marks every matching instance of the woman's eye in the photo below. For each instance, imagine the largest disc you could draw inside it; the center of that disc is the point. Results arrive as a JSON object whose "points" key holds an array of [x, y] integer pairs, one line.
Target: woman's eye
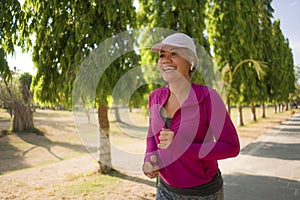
{"points": [[174, 53], [161, 55]]}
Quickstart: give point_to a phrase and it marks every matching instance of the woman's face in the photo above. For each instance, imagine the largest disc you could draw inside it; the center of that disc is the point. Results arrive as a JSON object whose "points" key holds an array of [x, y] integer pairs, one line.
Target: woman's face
{"points": [[172, 66]]}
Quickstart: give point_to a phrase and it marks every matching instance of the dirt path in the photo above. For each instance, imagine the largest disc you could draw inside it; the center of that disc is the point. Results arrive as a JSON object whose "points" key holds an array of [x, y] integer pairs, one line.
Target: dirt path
{"points": [[25, 172], [44, 181], [41, 181]]}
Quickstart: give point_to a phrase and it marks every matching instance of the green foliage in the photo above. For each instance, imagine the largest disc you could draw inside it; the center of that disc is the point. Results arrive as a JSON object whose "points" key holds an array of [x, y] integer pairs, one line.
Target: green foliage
{"points": [[65, 32], [297, 73], [10, 16], [232, 28], [281, 80], [264, 44], [227, 34], [25, 81], [4, 68], [243, 30], [288, 85], [295, 96], [10, 91], [62, 34]]}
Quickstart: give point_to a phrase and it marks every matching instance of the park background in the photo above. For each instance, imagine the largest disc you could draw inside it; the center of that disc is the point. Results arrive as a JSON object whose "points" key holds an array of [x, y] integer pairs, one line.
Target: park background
{"points": [[275, 73]]}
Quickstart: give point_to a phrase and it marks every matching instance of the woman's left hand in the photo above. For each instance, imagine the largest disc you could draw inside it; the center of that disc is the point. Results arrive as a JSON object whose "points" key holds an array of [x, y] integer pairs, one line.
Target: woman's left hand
{"points": [[165, 138]]}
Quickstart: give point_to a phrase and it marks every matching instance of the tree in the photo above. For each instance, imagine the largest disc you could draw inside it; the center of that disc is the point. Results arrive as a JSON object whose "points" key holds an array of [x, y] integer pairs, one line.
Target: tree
{"points": [[23, 114], [265, 43], [66, 31], [280, 82], [228, 76], [17, 96], [231, 40], [10, 16], [5, 98], [295, 97], [254, 91], [297, 73], [239, 31], [289, 74]]}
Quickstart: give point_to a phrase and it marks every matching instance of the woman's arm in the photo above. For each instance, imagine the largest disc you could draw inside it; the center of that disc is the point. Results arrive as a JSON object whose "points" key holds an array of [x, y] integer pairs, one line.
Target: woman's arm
{"points": [[221, 140]]}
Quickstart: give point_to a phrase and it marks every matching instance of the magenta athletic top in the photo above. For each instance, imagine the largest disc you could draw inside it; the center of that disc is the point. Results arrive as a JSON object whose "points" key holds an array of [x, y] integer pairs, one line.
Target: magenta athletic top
{"points": [[204, 133]]}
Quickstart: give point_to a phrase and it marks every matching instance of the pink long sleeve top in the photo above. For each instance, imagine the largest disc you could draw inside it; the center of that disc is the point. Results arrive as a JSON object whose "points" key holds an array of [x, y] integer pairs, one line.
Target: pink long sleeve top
{"points": [[203, 134]]}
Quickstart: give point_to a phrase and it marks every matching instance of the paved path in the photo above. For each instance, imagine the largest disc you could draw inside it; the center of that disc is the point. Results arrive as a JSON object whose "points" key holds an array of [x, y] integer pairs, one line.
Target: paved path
{"points": [[268, 168]]}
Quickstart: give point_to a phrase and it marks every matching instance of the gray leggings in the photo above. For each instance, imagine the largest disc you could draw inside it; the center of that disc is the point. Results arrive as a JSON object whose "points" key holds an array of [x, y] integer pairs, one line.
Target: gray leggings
{"points": [[164, 194]]}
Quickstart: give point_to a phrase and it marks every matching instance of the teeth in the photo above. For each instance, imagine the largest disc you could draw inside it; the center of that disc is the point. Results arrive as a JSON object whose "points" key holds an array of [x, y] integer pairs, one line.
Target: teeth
{"points": [[168, 68]]}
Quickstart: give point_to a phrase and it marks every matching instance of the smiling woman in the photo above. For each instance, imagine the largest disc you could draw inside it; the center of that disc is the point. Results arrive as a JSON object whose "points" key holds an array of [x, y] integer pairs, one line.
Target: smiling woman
{"points": [[189, 128]]}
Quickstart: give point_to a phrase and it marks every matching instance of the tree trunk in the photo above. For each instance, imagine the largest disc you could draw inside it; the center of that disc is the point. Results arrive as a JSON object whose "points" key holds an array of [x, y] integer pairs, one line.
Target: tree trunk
{"points": [[104, 153], [286, 106], [263, 110], [23, 117], [240, 116], [253, 113], [275, 108], [228, 104], [117, 113]]}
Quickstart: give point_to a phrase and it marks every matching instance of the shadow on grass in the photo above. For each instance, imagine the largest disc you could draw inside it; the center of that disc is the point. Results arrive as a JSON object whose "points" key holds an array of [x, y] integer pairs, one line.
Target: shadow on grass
{"points": [[118, 174], [13, 152], [38, 139]]}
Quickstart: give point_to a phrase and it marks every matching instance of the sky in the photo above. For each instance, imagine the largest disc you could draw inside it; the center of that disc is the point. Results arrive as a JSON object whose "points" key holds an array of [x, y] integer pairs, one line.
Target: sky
{"points": [[288, 11]]}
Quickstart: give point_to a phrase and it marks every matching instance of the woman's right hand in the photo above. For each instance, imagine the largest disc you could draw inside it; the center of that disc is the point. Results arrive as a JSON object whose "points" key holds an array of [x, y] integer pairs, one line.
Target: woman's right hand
{"points": [[150, 168]]}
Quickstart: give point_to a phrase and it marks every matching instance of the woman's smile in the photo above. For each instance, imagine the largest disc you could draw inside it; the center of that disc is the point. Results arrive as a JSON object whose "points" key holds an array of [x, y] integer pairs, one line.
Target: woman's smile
{"points": [[168, 69]]}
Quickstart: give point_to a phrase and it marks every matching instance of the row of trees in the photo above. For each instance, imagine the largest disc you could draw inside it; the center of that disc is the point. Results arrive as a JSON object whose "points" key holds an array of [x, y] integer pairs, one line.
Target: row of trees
{"points": [[62, 33], [241, 30], [248, 46]]}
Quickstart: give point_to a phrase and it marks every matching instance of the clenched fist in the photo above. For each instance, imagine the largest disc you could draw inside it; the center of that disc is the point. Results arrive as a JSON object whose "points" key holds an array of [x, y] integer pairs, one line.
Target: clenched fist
{"points": [[165, 138], [150, 168]]}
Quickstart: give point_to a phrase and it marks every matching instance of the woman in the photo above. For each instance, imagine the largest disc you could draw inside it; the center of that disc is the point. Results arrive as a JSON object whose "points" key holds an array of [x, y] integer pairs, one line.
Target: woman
{"points": [[189, 128]]}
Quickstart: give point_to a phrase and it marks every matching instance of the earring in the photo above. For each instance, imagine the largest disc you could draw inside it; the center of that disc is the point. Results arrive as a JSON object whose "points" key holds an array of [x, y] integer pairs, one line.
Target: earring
{"points": [[192, 66]]}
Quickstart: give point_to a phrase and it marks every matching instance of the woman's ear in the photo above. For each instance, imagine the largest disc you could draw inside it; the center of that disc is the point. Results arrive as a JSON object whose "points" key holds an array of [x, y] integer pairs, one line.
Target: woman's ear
{"points": [[192, 67]]}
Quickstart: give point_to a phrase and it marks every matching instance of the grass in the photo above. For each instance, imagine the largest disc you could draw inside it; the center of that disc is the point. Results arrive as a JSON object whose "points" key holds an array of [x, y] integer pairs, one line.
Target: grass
{"points": [[137, 117], [113, 186], [91, 184], [4, 114], [247, 114], [54, 139]]}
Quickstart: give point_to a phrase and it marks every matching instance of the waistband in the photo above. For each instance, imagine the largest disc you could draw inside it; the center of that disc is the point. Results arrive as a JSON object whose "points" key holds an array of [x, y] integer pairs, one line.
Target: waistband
{"points": [[202, 190]]}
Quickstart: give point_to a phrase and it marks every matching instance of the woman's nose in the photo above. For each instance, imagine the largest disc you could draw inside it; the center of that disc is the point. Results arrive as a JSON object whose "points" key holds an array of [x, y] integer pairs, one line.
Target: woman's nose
{"points": [[165, 60]]}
